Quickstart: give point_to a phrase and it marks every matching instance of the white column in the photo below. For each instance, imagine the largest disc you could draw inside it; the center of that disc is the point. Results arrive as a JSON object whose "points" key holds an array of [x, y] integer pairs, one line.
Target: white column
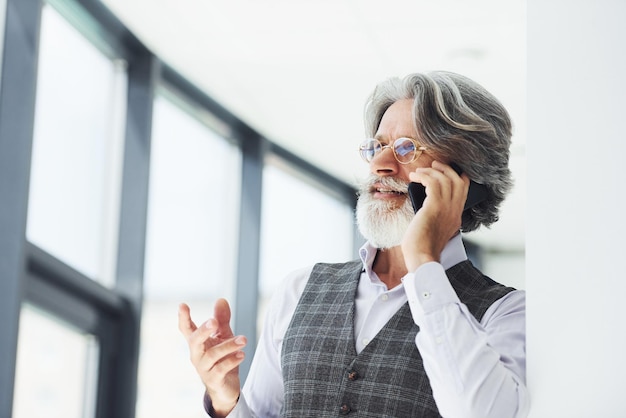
{"points": [[576, 223]]}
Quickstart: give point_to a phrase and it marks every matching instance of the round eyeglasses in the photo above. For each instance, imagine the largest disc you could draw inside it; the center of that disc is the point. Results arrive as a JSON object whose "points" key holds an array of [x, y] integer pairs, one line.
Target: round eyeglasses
{"points": [[406, 150]]}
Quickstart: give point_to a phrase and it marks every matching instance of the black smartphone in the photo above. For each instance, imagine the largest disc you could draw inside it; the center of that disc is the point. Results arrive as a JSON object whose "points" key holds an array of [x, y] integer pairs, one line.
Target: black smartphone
{"points": [[476, 194]]}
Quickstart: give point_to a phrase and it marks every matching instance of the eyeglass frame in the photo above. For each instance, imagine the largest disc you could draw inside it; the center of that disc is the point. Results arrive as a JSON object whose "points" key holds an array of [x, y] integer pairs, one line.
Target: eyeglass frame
{"points": [[419, 149]]}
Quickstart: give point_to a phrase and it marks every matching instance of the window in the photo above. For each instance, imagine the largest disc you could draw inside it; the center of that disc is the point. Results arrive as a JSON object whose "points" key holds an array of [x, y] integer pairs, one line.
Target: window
{"points": [[190, 254], [300, 225], [56, 369], [78, 340], [77, 150]]}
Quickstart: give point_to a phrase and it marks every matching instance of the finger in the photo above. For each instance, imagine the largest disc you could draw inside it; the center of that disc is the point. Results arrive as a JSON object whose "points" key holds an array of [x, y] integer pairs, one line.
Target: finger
{"points": [[221, 352], [228, 363], [203, 337], [200, 343], [444, 183], [185, 324], [222, 311], [221, 314], [433, 180], [458, 183], [450, 172], [464, 189], [445, 168]]}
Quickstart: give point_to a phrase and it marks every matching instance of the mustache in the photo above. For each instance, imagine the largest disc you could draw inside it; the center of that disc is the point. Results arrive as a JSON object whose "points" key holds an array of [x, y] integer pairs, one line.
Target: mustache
{"points": [[372, 181]]}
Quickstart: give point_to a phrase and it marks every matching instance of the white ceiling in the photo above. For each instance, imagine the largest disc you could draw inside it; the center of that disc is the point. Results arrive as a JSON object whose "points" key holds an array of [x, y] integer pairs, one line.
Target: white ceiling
{"points": [[299, 71]]}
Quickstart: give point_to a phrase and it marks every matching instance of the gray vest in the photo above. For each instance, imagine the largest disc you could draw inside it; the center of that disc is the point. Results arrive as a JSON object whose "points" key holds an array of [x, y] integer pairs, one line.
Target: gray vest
{"points": [[325, 377]]}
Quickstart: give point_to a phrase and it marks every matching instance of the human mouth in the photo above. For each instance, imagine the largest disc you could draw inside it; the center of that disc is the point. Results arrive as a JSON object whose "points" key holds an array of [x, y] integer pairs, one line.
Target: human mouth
{"points": [[386, 192]]}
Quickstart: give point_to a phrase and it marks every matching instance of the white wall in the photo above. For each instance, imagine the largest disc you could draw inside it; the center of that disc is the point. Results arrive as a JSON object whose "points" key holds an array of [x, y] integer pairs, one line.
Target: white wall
{"points": [[576, 227], [506, 267]]}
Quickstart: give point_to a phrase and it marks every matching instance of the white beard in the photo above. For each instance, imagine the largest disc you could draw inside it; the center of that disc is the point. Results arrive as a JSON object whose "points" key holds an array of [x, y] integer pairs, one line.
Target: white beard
{"points": [[380, 221]]}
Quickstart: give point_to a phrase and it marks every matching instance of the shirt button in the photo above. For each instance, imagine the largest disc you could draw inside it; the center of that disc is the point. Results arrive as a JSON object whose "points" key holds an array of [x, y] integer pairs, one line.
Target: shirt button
{"points": [[344, 409], [384, 297], [438, 340], [353, 375], [425, 294], [365, 341]]}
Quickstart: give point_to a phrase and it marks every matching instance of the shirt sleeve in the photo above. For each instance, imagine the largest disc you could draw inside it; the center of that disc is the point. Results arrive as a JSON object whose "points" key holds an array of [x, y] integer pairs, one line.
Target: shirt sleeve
{"points": [[476, 369], [264, 384], [240, 410]]}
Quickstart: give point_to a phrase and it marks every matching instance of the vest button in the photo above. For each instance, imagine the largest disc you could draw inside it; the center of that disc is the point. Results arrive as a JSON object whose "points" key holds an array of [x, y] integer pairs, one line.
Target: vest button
{"points": [[353, 375], [344, 409]]}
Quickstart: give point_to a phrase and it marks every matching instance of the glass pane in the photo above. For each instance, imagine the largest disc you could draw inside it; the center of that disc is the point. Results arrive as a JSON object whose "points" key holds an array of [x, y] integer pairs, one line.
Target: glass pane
{"points": [[77, 150], [190, 255], [56, 370], [300, 226]]}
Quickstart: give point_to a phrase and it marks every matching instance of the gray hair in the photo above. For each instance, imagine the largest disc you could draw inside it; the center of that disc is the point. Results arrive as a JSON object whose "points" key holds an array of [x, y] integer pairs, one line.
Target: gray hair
{"points": [[458, 121]]}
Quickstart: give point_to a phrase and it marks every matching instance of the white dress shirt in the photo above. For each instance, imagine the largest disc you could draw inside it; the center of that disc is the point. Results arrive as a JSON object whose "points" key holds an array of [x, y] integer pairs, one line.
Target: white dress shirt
{"points": [[476, 369]]}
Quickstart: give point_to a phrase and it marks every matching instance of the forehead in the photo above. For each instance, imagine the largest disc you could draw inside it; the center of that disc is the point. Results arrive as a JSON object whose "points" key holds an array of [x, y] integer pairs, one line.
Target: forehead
{"points": [[397, 121]]}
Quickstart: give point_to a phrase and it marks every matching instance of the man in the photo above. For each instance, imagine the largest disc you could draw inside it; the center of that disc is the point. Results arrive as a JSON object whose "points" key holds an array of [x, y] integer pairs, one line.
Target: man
{"points": [[412, 329]]}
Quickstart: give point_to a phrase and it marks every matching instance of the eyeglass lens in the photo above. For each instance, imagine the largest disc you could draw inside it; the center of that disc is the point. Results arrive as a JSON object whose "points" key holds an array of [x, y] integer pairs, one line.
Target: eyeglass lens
{"points": [[403, 148]]}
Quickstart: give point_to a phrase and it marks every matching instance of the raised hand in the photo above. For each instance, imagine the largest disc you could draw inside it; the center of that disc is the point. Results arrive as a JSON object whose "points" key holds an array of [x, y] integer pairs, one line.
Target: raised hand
{"points": [[439, 218], [216, 354]]}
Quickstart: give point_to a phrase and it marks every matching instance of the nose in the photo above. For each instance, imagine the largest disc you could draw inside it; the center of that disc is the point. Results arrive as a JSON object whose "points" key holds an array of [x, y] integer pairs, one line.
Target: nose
{"points": [[384, 163]]}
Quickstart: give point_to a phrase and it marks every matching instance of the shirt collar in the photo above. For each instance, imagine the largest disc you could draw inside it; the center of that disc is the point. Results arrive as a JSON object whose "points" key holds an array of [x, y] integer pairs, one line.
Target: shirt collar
{"points": [[452, 254]]}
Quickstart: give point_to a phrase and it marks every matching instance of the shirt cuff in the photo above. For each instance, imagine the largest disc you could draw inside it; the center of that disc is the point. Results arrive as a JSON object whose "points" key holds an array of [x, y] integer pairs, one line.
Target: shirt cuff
{"points": [[238, 411], [428, 290]]}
